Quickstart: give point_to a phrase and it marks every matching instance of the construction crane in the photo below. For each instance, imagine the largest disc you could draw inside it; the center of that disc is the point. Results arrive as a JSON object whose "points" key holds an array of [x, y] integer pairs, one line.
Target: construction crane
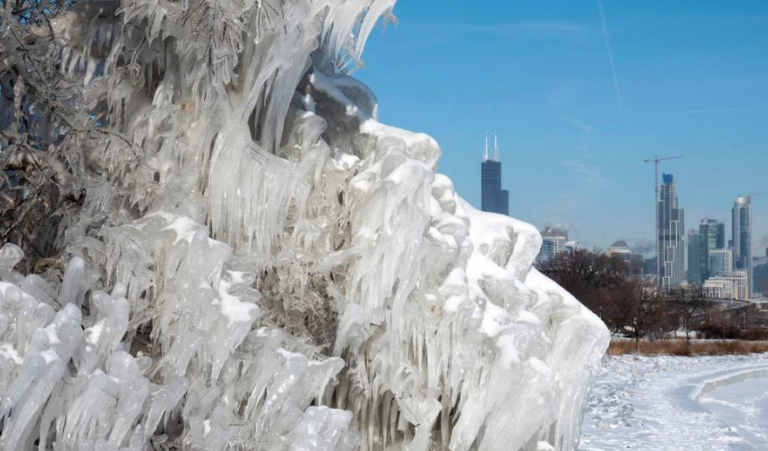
{"points": [[656, 160]]}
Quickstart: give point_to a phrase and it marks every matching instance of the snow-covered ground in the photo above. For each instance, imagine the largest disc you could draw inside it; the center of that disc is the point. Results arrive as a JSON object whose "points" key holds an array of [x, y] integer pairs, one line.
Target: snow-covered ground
{"points": [[678, 403]]}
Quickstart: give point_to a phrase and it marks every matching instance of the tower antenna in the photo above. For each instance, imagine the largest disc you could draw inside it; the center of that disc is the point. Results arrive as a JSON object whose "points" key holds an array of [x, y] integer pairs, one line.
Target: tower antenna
{"points": [[495, 147], [485, 155]]}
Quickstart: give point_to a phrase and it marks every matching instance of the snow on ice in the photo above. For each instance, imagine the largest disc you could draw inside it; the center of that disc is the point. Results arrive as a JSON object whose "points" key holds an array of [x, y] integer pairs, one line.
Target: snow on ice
{"points": [[678, 403]]}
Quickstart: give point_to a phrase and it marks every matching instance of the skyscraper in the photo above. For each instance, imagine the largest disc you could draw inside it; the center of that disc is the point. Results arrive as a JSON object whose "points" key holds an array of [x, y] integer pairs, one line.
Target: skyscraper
{"points": [[711, 236], [713, 233], [553, 243], [493, 198], [742, 237], [671, 270], [720, 262], [694, 259]]}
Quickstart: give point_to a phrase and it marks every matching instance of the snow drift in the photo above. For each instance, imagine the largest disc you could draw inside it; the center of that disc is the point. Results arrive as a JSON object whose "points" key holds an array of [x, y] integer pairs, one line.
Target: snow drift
{"points": [[258, 264]]}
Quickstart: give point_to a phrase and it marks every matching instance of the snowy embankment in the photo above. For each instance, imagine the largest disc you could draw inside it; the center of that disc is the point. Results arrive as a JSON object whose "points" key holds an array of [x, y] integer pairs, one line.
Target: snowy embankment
{"points": [[679, 403]]}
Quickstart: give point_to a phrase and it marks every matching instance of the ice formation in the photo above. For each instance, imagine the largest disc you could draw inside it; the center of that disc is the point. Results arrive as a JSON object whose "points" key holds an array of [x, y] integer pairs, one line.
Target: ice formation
{"points": [[259, 264]]}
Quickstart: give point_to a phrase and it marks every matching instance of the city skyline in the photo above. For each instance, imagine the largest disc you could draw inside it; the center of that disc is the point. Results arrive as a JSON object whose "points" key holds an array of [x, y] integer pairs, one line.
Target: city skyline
{"points": [[572, 155], [709, 237], [704, 256]]}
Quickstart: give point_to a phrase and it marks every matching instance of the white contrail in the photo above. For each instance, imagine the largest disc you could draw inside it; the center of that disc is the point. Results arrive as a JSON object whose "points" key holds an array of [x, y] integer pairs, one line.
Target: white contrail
{"points": [[610, 53]]}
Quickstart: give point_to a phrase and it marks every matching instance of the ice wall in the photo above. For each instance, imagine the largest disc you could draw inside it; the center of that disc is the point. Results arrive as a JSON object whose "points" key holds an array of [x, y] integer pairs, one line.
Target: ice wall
{"points": [[259, 264]]}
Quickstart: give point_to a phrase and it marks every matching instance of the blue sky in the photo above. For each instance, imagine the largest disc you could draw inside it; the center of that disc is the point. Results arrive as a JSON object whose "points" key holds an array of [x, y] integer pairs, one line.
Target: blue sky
{"points": [[692, 80]]}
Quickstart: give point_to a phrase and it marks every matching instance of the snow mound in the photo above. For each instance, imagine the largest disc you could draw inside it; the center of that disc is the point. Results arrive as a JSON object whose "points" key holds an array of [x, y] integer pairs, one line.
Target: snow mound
{"points": [[260, 264]]}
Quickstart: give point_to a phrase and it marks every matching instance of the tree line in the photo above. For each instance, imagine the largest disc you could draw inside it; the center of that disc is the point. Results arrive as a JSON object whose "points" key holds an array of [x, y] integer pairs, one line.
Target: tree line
{"points": [[634, 307]]}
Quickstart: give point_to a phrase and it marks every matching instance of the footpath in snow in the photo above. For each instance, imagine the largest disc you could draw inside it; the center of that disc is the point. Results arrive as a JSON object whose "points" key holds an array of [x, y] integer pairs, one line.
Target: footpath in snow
{"points": [[678, 403]]}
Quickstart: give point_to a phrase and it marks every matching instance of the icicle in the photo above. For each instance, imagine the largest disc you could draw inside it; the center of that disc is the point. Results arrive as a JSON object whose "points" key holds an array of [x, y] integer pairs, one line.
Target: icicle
{"points": [[72, 289]]}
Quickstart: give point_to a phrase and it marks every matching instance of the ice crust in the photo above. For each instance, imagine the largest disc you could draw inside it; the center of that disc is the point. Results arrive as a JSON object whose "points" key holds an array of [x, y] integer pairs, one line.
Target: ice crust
{"points": [[268, 267]]}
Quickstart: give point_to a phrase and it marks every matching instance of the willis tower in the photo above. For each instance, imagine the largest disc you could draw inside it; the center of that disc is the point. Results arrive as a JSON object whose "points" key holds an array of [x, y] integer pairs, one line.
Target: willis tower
{"points": [[494, 199]]}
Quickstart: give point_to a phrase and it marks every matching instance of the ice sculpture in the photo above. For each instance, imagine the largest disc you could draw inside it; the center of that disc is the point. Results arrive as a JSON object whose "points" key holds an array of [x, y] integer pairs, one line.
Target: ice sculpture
{"points": [[258, 264]]}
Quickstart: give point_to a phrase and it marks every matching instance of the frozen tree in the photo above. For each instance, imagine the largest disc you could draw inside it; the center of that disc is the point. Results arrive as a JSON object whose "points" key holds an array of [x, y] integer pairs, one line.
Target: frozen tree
{"points": [[225, 250]]}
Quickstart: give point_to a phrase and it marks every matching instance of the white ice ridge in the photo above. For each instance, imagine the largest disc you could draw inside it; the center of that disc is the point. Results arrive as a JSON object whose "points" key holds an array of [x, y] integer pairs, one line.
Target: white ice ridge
{"points": [[259, 264]]}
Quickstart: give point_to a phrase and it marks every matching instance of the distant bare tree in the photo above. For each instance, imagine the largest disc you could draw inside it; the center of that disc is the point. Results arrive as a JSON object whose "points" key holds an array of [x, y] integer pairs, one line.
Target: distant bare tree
{"points": [[583, 269], [599, 281], [645, 309], [688, 302], [718, 323]]}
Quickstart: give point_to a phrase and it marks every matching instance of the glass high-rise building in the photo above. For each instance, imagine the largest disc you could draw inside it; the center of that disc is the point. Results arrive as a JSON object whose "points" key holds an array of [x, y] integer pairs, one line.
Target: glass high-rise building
{"points": [[711, 236], [551, 247], [671, 269], [720, 262], [713, 233], [742, 237], [493, 198], [554, 241], [694, 259]]}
